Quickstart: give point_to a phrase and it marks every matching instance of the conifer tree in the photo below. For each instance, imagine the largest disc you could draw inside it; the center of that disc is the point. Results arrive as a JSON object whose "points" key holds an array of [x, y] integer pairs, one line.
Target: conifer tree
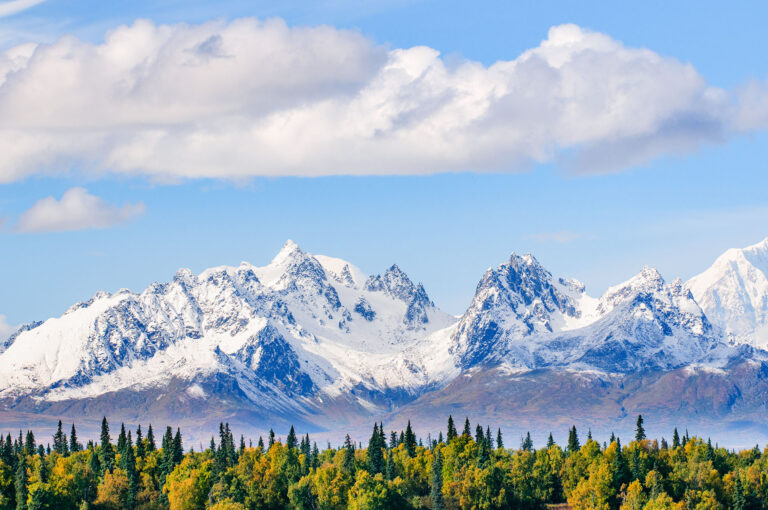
{"points": [[550, 441], [573, 441], [410, 440], [151, 447], [315, 456], [29, 443], [479, 434], [440, 439], [620, 468], [178, 449], [20, 483], [290, 441], [613, 438], [375, 452], [74, 445], [499, 440], [128, 464], [467, 430], [107, 453], [139, 443], [391, 466], [242, 445], [58, 440], [436, 494], [527, 443], [271, 439], [348, 461], [488, 438], [260, 445], [121, 439], [675, 439], [451, 430], [639, 430], [393, 440], [589, 434]]}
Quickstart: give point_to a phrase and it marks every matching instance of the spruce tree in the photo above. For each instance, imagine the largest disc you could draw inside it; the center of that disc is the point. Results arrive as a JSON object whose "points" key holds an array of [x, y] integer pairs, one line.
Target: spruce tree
{"points": [[675, 439], [74, 445], [242, 445], [178, 449], [271, 439], [550, 441], [467, 430], [348, 460], [451, 430], [107, 453], [488, 438], [391, 465], [139, 443], [315, 456], [128, 464], [527, 443], [260, 445], [29, 443], [151, 447], [639, 430], [375, 452], [410, 440], [121, 439], [499, 440], [440, 439], [436, 494], [58, 440], [479, 434], [290, 441], [573, 441], [620, 468], [20, 483], [393, 440]]}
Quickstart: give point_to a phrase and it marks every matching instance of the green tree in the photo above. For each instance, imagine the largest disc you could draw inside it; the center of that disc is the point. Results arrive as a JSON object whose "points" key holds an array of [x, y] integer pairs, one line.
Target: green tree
{"points": [[639, 430], [436, 489], [451, 430], [376, 448], [107, 453]]}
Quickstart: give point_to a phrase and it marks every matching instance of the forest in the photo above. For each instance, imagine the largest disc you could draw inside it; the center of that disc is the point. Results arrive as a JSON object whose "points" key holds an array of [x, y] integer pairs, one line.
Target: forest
{"points": [[467, 469]]}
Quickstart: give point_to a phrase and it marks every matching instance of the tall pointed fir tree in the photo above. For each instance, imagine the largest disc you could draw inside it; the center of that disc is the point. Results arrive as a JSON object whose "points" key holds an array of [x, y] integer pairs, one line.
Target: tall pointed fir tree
{"points": [[151, 446], [107, 453], [178, 448], [121, 439], [375, 452], [451, 430], [479, 434], [639, 430], [290, 441], [410, 440], [436, 493], [550, 441], [128, 465], [29, 443], [467, 430], [74, 445], [139, 443], [675, 439], [573, 441], [20, 483], [271, 439], [59, 443], [499, 440]]}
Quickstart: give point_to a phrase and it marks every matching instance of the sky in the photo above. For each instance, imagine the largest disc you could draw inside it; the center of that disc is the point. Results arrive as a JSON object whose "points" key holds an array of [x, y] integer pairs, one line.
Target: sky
{"points": [[140, 137]]}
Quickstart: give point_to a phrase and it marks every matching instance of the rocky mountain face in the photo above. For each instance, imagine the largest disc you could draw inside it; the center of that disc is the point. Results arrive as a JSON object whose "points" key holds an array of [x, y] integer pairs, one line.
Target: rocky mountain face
{"points": [[312, 340]]}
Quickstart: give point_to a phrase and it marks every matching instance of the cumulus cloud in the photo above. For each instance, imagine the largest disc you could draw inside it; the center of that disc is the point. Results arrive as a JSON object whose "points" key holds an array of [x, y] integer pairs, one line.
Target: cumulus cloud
{"points": [[252, 98], [16, 6], [77, 210]]}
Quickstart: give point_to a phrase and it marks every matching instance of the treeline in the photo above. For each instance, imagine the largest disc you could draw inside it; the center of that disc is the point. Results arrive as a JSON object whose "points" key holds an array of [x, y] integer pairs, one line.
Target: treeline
{"points": [[470, 469]]}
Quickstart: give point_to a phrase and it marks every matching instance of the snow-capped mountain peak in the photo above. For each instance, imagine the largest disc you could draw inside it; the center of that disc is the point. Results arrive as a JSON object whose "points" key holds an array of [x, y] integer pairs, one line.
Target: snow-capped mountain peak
{"points": [[734, 293]]}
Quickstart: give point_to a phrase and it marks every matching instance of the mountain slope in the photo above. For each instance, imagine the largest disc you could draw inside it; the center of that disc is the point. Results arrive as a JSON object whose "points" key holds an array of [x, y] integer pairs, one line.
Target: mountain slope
{"points": [[734, 293]]}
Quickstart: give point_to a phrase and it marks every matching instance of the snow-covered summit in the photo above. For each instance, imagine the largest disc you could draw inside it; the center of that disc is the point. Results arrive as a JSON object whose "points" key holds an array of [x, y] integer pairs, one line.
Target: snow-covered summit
{"points": [[734, 293]]}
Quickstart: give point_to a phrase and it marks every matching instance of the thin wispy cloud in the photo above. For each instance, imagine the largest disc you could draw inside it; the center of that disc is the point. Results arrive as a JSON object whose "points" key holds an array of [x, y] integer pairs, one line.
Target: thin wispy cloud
{"points": [[16, 6], [251, 98], [77, 210]]}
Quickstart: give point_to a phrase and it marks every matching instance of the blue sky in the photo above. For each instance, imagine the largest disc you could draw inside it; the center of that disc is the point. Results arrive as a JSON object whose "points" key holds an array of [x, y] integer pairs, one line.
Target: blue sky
{"points": [[676, 209]]}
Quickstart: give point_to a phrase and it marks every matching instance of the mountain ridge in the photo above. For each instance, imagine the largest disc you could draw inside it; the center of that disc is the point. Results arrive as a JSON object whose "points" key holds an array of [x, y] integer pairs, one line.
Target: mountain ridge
{"points": [[313, 339]]}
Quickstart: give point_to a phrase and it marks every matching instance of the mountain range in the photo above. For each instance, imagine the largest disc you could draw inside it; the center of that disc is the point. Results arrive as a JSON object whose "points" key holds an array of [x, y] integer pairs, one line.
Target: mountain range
{"points": [[311, 340]]}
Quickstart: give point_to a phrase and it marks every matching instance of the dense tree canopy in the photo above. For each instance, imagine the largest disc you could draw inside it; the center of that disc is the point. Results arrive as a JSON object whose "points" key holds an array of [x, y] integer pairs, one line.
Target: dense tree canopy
{"points": [[462, 472]]}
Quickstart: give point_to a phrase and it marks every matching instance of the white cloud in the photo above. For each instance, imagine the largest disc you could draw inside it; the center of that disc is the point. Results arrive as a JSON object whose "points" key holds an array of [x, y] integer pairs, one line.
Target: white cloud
{"points": [[16, 6], [562, 237], [246, 98], [6, 329], [77, 210]]}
